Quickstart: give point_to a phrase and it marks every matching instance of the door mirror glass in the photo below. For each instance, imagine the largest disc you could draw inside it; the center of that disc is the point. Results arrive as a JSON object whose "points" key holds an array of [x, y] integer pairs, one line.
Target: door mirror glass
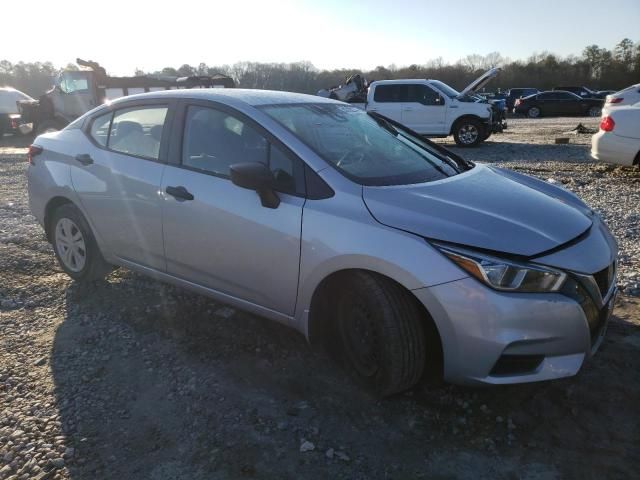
{"points": [[256, 176]]}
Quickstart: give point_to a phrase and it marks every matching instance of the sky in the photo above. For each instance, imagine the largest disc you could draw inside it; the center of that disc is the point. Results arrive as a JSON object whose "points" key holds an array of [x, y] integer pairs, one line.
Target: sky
{"points": [[149, 35]]}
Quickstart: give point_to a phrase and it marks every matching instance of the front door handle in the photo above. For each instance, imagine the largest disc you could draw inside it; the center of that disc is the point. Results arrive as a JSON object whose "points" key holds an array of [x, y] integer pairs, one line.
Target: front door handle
{"points": [[84, 158], [179, 192]]}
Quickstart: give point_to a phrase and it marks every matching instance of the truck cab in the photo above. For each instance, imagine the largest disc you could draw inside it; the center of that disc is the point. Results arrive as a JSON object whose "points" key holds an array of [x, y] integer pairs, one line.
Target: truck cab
{"points": [[75, 92], [433, 108]]}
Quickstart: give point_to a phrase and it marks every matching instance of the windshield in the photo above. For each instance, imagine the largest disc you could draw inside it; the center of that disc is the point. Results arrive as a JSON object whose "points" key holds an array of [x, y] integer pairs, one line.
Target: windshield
{"points": [[444, 88], [368, 149]]}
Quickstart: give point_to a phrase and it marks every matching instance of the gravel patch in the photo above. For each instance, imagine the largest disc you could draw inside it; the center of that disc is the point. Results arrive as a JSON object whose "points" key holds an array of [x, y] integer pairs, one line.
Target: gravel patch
{"points": [[133, 379]]}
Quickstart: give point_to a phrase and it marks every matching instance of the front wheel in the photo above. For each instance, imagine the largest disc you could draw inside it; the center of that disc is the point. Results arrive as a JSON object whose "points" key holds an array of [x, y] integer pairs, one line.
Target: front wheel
{"points": [[468, 132], [533, 112], [594, 111], [380, 331], [75, 246]]}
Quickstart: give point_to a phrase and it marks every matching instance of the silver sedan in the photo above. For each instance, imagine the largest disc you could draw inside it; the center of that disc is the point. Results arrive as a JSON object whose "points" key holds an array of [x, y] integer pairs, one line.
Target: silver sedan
{"points": [[394, 253]]}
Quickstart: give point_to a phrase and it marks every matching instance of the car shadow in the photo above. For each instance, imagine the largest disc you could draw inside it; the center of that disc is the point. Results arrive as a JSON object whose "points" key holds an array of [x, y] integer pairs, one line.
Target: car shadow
{"points": [[156, 383]]}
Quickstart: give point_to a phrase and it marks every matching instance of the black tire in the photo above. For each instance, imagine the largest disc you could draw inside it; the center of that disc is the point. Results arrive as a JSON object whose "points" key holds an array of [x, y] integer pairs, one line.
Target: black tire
{"points": [[594, 111], [468, 132], [52, 125], [534, 112], [95, 267], [380, 332]]}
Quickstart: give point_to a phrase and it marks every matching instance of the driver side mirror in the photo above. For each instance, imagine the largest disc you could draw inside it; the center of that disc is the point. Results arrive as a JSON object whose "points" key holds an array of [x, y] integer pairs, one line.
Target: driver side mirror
{"points": [[256, 176]]}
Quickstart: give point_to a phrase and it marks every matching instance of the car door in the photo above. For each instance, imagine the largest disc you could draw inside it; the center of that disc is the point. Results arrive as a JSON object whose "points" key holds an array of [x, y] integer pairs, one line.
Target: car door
{"points": [[567, 103], [547, 103], [424, 110], [388, 100], [77, 94], [117, 176], [219, 235]]}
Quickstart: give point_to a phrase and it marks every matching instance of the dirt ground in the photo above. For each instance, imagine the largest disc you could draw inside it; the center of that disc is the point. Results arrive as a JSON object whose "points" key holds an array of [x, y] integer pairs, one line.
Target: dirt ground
{"points": [[133, 379]]}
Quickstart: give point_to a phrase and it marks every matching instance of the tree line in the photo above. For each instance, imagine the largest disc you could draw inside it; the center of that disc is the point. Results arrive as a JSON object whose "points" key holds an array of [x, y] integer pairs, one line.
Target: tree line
{"points": [[597, 68]]}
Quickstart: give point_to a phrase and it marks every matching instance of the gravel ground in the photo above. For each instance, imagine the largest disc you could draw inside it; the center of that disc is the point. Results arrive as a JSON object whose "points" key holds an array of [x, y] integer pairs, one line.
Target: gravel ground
{"points": [[132, 379]]}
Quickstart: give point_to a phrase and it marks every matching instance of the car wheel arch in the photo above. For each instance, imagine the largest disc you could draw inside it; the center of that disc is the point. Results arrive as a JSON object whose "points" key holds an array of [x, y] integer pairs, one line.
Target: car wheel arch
{"points": [[462, 118], [319, 331], [52, 205]]}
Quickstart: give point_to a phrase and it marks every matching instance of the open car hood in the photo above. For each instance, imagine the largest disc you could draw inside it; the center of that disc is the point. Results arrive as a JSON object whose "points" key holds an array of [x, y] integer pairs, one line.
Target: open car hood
{"points": [[486, 208], [480, 82]]}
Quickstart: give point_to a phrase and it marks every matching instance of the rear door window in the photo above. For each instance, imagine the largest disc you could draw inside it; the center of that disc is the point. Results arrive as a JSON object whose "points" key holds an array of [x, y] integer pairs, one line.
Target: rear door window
{"points": [[390, 93], [138, 131]]}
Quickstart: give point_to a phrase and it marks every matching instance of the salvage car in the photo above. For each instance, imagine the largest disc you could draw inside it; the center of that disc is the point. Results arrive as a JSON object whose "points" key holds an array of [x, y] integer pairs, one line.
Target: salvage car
{"points": [[618, 139], [390, 250], [9, 116], [557, 103]]}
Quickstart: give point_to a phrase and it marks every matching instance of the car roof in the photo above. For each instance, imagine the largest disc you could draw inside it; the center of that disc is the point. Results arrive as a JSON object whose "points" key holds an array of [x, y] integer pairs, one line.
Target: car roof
{"points": [[230, 95], [400, 81]]}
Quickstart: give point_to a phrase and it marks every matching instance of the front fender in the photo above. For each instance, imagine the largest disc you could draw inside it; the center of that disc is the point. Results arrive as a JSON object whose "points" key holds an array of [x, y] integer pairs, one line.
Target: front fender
{"points": [[340, 234]]}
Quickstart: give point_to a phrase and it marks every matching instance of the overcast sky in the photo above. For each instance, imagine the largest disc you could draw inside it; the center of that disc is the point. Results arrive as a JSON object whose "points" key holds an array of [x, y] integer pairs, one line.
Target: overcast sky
{"points": [[125, 35]]}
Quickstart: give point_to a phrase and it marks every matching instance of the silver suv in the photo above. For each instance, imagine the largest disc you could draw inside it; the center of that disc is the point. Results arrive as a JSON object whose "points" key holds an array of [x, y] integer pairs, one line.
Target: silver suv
{"points": [[393, 252]]}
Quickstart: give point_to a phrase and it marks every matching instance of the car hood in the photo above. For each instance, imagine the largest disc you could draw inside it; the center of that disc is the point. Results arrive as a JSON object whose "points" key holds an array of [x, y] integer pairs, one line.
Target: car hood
{"points": [[486, 208], [479, 82]]}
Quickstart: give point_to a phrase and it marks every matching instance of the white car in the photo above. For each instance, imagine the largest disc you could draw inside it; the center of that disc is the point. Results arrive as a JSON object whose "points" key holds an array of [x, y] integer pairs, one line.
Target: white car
{"points": [[618, 140], [9, 109], [627, 96]]}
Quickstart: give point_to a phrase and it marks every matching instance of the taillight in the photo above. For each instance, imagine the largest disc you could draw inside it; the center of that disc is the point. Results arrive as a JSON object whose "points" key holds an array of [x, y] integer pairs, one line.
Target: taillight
{"points": [[607, 124], [615, 100], [14, 124], [34, 151]]}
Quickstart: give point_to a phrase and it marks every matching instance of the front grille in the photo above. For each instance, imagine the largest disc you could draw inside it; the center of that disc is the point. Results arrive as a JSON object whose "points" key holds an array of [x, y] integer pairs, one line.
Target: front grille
{"points": [[596, 316], [604, 278]]}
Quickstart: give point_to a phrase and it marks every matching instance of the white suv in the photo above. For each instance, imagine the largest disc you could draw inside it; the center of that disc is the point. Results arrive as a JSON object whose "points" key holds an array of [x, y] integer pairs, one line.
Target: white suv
{"points": [[433, 108]]}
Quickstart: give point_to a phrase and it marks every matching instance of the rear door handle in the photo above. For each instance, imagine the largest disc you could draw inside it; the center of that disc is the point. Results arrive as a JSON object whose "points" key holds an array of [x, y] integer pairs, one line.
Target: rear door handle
{"points": [[179, 192], [84, 158]]}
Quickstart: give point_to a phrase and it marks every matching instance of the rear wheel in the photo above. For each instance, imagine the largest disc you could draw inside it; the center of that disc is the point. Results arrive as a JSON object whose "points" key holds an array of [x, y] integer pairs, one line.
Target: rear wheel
{"points": [[468, 132], [380, 331], [533, 112], [75, 246]]}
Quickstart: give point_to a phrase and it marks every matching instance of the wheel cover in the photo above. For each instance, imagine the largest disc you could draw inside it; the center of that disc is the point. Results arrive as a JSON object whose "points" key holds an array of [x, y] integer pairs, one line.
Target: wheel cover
{"points": [[534, 112], [594, 112], [360, 338], [468, 133], [70, 245]]}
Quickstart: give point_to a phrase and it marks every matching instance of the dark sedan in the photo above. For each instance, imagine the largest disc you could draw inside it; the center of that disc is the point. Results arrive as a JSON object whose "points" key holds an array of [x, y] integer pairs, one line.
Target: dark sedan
{"points": [[558, 103]]}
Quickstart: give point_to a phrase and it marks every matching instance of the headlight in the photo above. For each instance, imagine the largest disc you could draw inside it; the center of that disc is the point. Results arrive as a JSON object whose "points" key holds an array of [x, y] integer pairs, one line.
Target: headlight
{"points": [[504, 274]]}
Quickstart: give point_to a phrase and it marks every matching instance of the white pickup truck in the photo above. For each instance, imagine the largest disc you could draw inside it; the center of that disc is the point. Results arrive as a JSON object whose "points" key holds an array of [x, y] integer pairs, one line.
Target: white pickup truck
{"points": [[432, 108]]}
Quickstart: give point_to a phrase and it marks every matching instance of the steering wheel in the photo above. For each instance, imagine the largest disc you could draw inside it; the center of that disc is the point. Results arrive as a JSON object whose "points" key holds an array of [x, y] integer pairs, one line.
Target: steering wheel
{"points": [[356, 155]]}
